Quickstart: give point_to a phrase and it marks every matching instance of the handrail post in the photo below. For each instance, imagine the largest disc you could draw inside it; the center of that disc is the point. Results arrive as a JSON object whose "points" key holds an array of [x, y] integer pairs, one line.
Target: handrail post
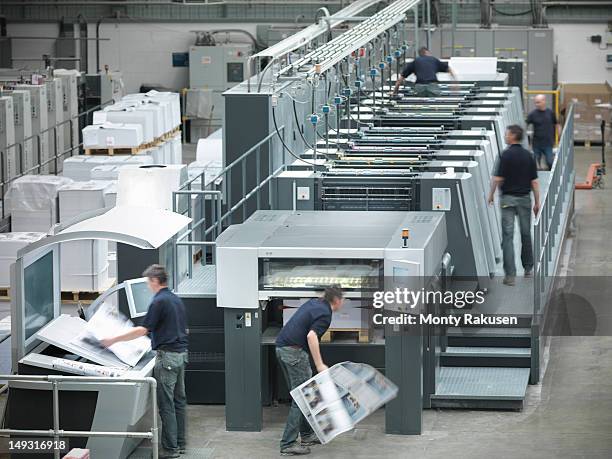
{"points": [[154, 427], [56, 423]]}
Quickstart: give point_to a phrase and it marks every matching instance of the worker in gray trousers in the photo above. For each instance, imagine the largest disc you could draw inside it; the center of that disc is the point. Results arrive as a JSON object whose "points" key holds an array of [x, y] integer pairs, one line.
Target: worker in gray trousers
{"points": [[517, 177]]}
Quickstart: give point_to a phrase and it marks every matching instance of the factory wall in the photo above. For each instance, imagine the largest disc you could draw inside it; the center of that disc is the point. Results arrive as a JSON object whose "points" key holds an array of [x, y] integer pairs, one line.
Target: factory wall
{"points": [[143, 51], [581, 61]]}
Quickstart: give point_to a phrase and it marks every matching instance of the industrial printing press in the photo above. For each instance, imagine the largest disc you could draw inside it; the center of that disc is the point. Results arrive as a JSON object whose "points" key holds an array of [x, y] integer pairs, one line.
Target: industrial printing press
{"points": [[341, 143]]}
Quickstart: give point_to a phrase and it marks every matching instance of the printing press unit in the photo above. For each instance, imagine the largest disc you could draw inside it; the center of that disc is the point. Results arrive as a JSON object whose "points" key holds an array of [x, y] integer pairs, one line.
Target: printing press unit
{"points": [[287, 256], [46, 342]]}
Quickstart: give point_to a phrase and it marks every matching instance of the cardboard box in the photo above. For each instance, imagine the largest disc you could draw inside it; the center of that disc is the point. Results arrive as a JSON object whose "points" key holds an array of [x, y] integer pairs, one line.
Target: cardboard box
{"points": [[588, 111]]}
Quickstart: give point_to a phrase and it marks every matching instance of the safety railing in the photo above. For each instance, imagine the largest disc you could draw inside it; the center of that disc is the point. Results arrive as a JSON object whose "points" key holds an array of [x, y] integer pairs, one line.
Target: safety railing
{"points": [[214, 208], [57, 433], [550, 222], [51, 164]]}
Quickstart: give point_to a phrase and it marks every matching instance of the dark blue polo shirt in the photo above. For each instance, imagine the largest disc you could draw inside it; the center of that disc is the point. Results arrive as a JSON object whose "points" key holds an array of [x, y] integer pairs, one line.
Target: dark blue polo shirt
{"points": [[425, 69], [518, 168], [166, 321], [315, 314], [544, 124]]}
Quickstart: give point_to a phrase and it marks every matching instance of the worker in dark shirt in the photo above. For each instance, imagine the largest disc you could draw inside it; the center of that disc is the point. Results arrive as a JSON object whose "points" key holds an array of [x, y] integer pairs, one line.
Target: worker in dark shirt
{"points": [[300, 335], [425, 67], [545, 126], [517, 176], [166, 323]]}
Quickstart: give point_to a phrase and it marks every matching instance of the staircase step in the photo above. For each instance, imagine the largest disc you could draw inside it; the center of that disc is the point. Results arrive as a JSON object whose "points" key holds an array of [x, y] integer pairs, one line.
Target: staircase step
{"points": [[489, 337], [475, 356], [481, 388]]}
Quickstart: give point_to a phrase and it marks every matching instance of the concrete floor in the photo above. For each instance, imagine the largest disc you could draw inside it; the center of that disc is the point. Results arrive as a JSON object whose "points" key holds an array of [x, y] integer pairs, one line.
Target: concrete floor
{"points": [[568, 415]]}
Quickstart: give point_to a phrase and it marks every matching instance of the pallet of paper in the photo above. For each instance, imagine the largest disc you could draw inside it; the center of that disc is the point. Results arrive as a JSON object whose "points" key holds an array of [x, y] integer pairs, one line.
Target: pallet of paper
{"points": [[169, 100], [32, 202], [127, 114], [84, 264], [163, 103], [111, 135], [10, 244]]}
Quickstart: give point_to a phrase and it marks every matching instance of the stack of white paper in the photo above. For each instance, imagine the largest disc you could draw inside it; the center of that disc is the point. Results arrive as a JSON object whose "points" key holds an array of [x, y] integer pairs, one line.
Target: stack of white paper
{"points": [[10, 244], [176, 146], [110, 195], [84, 264], [105, 173], [78, 197], [31, 202], [109, 135], [128, 114]]}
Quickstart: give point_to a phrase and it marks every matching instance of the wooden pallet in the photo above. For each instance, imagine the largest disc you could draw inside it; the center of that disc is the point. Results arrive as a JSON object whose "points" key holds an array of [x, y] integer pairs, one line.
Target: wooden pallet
{"points": [[117, 151], [590, 143], [5, 293], [85, 297], [363, 334]]}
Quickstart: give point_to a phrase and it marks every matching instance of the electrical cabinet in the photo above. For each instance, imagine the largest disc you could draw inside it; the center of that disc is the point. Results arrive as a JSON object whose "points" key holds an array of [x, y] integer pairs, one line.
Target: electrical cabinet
{"points": [[213, 70]]}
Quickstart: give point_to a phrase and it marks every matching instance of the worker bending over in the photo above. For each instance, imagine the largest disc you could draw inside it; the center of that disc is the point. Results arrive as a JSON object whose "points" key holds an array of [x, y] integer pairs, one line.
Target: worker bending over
{"points": [[425, 66], [517, 176], [545, 126], [300, 334], [166, 322]]}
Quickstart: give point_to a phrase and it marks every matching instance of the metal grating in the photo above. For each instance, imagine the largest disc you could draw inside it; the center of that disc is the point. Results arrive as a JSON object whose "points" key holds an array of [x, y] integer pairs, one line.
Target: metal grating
{"points": [[203, 282], [489, 351], [486, 383]]}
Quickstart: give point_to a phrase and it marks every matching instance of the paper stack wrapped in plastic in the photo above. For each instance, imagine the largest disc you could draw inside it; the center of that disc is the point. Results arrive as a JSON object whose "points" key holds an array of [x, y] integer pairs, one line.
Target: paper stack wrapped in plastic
{"points": [[31, 202], [84, 264], [10, 244]]}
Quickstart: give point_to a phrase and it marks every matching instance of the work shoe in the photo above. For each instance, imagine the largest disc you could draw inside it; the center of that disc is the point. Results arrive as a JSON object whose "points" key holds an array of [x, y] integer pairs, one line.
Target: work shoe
{"points": [[509, 280], [310, 440], [166, 454], [295, 450]]}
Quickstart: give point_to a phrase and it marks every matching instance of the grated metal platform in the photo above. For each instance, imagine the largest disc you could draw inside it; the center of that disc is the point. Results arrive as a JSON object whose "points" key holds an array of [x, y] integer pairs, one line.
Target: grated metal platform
{"points": [[203, 283], [481, 387]]}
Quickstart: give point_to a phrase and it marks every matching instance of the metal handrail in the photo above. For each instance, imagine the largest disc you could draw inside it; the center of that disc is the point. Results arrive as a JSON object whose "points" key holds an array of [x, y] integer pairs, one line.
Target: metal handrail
{"points": [[213, 226], [548, 221], [56, 432]]}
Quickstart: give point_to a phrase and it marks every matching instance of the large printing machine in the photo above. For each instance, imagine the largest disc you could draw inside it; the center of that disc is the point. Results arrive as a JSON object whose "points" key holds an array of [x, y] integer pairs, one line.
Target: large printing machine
{"points": [[369, 165], [281, 256], [46, 342]]}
